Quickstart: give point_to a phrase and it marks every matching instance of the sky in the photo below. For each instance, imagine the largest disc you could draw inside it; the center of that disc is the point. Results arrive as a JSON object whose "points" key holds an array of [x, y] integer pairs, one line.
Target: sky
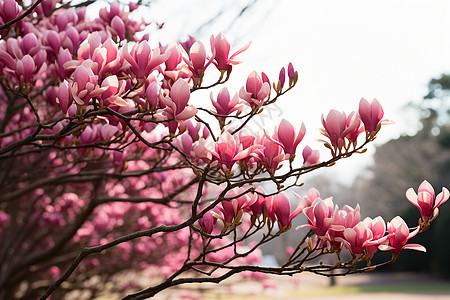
{"points": [[343, 50]]}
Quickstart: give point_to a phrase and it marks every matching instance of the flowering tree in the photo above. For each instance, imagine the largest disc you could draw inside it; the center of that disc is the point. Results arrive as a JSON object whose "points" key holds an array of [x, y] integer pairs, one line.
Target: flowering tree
{"points": [[107, 163]]}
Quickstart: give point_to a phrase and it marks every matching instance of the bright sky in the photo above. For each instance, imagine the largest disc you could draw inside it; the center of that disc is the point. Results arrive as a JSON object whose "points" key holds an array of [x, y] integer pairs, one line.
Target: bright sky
{"points": [[344, 50]]}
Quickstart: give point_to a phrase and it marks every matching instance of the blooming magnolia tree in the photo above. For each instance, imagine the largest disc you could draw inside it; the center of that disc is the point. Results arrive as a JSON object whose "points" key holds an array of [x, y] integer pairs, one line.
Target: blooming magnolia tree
{"points": [[107, 162]]}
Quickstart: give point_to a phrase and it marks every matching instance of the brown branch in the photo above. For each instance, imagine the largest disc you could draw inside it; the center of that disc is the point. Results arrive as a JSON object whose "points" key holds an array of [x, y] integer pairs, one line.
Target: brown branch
{"points": [[26, 13]]}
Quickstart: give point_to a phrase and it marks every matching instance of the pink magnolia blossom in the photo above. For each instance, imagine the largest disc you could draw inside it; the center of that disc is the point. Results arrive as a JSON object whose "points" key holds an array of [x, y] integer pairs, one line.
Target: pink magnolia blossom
{"points": [[257, 208], [352, 135], [347, 217], [310, 157], [292, 74], [281, 80], [308, 200], [114, 89], [143, 59], [224, 105], [64, 56], [371, 114], [9, 10], [176, 104], [230, 211], [53, 41], [320, 216], [188, 43], [336, 127], [282, 210], [378, 228], [193, 130], [153, 95], [426, 201], [266, 79], [65, 98], [255, 90], [399, 235], [105, 54], [174, 58], [287, 136], [228, 151], [198, 61], [71, 39], [221, 47], [85, 84], [46, 7], [207, 222], [175, 67], [185, 144], [25, 69], [117, 27], [357, 238], [272, 154], [202, 150]]}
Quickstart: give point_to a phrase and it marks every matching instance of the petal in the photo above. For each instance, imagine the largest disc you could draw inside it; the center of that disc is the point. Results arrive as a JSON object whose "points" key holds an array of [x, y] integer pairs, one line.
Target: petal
{"points": [[187, 113], [412, 196], [416, 247], [442, 197]]}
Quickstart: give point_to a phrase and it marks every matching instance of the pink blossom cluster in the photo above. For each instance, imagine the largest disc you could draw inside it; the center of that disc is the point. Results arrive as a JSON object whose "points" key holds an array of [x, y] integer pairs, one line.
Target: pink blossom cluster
{"points": [[335, 229], [249, 151], [101, 136], [342, 131]]}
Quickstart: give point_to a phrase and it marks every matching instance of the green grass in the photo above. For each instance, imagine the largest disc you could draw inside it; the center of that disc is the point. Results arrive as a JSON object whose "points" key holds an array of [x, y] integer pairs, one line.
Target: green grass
{"points": [[343, 290], [410, 289]]}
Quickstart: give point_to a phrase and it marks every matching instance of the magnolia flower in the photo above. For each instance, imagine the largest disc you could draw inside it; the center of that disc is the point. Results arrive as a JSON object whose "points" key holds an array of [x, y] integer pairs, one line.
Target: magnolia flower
{"points": [[398, 237], [114, 90], [257, 208], [228, 151], [198, 61], [336, 127], [207, 222], [352, 135], [9, 10], [85, 86], [357, 238], [224, 104], [221, 47], [310, 156], [307, 200], [426, 201], [371, 114], [282, 209], [143, 59], [255, 90], [292, 74], [320, 216], [287, 136], [25, 69], [378, 228], [343, 219], [272, 154], [64, 97], [176, 104], [230, 211]]}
